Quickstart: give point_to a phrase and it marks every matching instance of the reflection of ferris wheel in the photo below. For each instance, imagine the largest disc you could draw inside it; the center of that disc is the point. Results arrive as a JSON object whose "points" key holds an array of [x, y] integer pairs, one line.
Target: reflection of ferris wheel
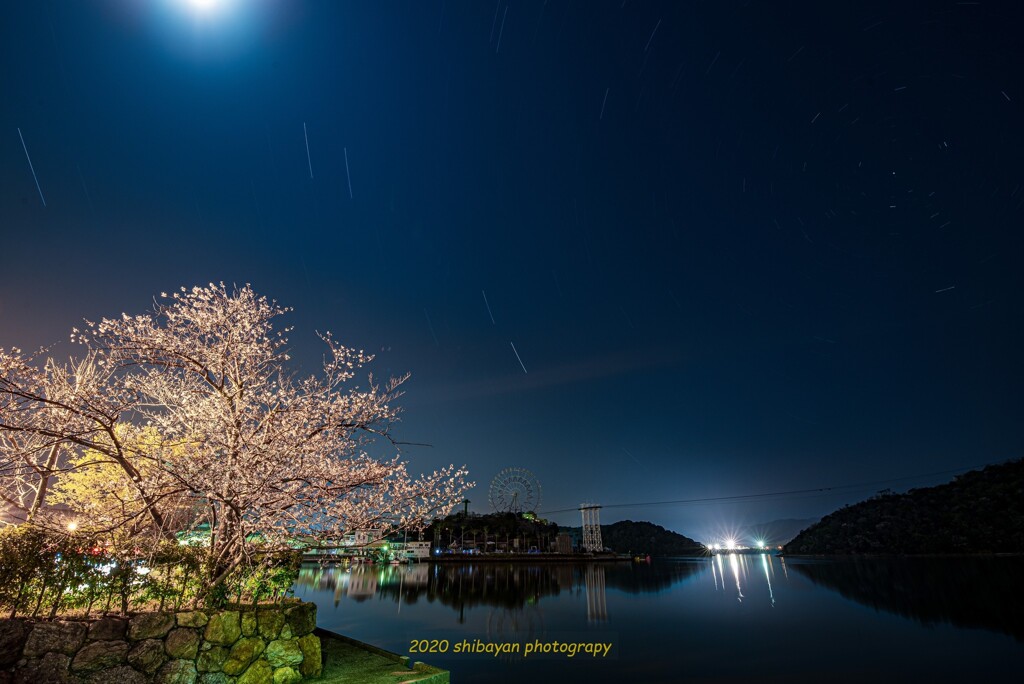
{"points": [[514, 490]]}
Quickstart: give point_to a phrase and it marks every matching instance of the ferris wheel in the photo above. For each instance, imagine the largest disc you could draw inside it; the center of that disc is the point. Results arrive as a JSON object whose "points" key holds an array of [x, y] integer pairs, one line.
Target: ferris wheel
{"points": [[514, 490]]}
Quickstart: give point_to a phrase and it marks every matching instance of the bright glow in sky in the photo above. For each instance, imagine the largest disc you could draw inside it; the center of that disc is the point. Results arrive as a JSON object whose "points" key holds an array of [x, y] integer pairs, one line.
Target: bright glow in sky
{"points": [[205, 7], [756, 346], [204, 11], [202, 30]]}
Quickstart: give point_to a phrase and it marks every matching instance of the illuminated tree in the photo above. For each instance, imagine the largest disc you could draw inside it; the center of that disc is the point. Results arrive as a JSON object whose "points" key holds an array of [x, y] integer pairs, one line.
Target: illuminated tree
{"points": [[46, 410], [195, 409], [28, 462], [100, 498]]}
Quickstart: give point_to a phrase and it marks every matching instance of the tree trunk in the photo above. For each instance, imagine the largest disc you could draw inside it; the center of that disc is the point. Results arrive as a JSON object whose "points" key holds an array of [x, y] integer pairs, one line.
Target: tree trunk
{"points": [[44, 483]]}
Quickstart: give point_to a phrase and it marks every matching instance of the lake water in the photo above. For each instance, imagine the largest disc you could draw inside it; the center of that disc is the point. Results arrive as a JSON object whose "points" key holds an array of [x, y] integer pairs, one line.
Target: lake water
{"points": [[726, 619]]}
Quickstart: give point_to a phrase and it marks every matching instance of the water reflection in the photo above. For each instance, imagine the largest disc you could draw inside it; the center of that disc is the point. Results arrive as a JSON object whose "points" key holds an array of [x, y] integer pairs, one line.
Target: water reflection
{"points": [[738, 573], [966, 592], [734, 565], [651, 578], [597, 601], [767, 578], [689, 615], [508, 586]]}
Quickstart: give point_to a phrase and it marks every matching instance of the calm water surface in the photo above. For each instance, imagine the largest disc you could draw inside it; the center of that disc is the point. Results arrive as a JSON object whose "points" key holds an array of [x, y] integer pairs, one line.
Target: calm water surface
{"points": [[731, 618]]}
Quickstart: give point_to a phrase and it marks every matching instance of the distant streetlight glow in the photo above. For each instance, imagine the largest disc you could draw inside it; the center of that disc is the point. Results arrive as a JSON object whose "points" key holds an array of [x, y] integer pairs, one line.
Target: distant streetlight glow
{"points": [[730, 544], [72, 526]]}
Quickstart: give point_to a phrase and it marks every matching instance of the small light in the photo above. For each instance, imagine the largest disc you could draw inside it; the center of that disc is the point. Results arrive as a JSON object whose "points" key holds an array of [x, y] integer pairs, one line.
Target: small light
{"points": [[72, 526], [730, 544]]}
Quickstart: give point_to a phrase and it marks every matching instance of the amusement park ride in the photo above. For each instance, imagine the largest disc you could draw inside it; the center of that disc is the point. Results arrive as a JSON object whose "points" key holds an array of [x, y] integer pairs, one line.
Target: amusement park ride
{"points": [[513, 490]]}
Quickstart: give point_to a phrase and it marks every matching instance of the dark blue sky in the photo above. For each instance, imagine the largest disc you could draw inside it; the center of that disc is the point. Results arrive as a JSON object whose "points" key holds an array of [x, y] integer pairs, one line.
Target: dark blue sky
{"points": [[740, 248]]}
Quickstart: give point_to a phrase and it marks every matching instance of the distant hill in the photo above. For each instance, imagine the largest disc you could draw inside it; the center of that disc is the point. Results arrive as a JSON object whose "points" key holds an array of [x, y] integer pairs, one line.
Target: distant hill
{"points": [[642, 538], [978, 512], [777, 531]]}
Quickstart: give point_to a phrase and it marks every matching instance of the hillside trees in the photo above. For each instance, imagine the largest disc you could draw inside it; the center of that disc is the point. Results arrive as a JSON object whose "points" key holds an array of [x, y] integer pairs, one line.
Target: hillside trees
{"points": [[981, 511], [189, 415]]}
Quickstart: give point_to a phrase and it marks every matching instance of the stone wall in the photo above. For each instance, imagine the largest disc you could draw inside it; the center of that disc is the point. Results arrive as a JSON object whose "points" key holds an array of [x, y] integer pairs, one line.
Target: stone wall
{"points": [[274, 645]]}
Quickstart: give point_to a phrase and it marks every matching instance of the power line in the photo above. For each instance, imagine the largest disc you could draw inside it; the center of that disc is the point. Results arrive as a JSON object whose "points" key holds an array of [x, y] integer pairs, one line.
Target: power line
{"points": [[748, 497]]}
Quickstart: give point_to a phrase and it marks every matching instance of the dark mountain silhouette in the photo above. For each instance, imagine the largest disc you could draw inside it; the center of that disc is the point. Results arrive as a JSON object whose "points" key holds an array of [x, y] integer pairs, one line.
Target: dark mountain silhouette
{"points": [[978, 512], [778, 531], [643, 538]]}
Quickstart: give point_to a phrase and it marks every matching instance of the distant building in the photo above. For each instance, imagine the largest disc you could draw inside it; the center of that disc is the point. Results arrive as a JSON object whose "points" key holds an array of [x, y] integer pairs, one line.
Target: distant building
{"points": [[364, 537], [417, 550], [563, 543]]}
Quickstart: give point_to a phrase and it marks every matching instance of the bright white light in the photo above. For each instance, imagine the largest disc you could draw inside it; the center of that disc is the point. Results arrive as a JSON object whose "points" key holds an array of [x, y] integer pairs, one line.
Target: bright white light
{"points": [[207, 9], [730, 544], [200, 30], [202, 5], [760, 543]]}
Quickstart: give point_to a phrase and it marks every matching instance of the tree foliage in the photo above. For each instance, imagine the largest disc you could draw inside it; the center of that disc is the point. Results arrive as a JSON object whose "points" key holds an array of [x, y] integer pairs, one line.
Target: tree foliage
{"points": [[627, 536], [189, 415], [44, 573], [979, 512], [492, 531]]}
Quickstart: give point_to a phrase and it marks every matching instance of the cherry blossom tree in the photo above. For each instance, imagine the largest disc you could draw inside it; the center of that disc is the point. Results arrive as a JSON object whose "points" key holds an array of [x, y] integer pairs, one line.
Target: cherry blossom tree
{"points": [[28, 462], [193, 411], [47, 409]]}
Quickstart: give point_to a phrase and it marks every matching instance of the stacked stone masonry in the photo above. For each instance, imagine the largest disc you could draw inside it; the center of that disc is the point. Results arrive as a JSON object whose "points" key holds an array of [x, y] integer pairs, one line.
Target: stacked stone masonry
{"points": [[272, 645]]}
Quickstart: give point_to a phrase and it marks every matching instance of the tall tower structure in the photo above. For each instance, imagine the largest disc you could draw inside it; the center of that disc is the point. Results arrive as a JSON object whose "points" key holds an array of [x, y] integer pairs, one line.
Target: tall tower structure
{"points": [[591, 527]]}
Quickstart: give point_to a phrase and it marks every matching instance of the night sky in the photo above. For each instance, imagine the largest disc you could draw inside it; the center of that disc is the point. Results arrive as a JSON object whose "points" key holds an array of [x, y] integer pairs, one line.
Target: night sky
{"points": [[738, 247]]}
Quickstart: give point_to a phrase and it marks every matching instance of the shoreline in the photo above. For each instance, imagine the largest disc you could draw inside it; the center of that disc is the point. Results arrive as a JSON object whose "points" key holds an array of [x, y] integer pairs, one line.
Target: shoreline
{"points": [[1008, 554], [526, 558], [509, 558], [349, 660]]}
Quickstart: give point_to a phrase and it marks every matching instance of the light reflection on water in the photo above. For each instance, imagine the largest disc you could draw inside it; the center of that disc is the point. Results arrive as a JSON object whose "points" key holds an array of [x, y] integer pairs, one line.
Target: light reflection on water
{"points": [[767, 577], [839, 620]]}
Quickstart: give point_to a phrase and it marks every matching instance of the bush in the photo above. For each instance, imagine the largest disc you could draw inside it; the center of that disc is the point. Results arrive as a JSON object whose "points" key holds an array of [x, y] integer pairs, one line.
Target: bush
{"points": [[45, 573]]}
